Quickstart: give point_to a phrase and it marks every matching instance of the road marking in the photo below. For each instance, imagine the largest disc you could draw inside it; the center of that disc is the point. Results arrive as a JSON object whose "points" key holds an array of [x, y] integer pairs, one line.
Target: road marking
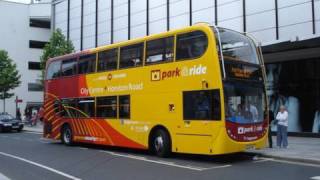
{"points": [[295, 163], [3, 177], [315, 178], [259, 160], [45, 142], [41, 166], [167, 163], [32, 132], [83, 148]]}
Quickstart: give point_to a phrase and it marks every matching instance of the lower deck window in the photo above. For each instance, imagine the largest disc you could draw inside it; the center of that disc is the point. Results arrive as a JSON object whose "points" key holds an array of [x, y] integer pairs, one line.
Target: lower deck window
{"points": [[86, 107], [124, 107], [107, 107], [201, 105]]}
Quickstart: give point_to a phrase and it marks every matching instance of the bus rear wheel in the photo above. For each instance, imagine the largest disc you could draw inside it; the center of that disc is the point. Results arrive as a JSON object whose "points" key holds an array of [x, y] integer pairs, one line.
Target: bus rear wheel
{"points": [[66, 135], [161, 144]]}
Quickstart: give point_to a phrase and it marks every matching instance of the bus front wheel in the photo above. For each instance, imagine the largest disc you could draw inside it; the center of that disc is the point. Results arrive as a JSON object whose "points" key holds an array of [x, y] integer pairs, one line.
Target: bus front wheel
{"points": [[161, 144], [66, 135]]}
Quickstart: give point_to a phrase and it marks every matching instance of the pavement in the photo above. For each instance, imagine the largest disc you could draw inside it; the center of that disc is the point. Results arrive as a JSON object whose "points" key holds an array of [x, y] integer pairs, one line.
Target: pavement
{"points": [[301, 149], [37, 128], [27, 155]]}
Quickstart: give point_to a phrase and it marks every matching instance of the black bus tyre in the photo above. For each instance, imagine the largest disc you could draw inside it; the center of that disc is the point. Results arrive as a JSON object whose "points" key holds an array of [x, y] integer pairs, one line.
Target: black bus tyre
{"points": [[161, 143], [67, 135]]}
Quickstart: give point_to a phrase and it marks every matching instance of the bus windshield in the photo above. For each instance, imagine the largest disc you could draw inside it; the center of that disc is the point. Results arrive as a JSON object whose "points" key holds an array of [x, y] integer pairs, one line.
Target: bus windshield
{"points": [[237, 47], [244, 104]]}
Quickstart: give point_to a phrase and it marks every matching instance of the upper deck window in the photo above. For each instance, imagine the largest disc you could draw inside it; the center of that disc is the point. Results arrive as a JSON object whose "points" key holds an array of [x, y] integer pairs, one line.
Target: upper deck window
{"points": [[87, 64], [160, 50], [131, 56], [191, 45], [107, 60], [69, 67], [54, 70], [237, 47]]}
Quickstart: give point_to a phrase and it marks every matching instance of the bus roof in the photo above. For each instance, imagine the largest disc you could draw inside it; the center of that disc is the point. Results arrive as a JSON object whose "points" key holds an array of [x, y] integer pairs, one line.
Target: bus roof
{"points": [[131, 41]]}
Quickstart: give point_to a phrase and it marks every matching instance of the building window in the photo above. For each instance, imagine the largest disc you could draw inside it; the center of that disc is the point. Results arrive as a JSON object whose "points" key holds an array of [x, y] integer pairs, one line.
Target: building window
{"points": [[159, 50], [191, 45], [108, 60], [54, 70], [69, 67], [35, 87], [201, 105], [40, 23], [107, 107], [124, 107], [87, 64], [86, 107], [37, 44], [34, 65], [131, 56]]}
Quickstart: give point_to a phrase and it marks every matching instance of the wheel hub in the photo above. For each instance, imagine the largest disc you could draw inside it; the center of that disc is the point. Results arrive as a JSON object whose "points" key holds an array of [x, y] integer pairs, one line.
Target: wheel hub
{"points": [[67, 136], [158, 143]]}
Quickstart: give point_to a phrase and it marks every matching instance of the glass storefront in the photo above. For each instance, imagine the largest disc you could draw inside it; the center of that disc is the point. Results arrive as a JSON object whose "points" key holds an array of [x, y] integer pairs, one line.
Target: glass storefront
{"points": [[296, 84]]}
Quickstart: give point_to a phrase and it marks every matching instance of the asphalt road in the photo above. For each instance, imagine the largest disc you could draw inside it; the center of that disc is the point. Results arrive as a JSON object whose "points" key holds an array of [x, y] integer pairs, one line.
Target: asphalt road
{"points": [[28, 156]]}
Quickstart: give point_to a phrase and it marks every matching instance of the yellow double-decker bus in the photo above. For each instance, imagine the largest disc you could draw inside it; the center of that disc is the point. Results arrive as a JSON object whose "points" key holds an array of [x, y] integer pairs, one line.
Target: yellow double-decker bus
{"points": [[199, 90]]}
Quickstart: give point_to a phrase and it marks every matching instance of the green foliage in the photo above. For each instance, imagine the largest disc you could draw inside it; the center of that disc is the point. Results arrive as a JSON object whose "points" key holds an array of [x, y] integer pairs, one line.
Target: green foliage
{"points": [[57, 46], [9, 75]]}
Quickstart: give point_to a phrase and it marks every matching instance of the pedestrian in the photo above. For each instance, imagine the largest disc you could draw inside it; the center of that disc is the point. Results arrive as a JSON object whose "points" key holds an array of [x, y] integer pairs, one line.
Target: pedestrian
{"points": [[34, 119], [40, 114], [18, 114], [271, 118], [282, 127]]}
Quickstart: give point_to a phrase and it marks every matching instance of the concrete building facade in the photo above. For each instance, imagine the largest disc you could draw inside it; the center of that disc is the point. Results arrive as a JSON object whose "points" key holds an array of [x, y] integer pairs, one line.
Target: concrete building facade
{"points": [[288, 30], [25, 28]]}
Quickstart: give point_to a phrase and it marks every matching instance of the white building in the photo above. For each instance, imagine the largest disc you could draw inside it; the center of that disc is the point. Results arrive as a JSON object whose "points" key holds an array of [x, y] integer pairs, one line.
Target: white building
{"points": [[25, 28], [289, 32]]}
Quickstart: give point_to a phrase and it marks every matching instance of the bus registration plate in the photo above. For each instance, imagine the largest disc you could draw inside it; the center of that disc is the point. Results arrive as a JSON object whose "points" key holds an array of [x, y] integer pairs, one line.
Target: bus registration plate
{"points": [[250, 147]]}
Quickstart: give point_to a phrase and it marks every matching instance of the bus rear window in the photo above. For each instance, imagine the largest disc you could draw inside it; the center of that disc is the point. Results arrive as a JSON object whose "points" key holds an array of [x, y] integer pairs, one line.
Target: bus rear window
{"points": [[54, 70]]}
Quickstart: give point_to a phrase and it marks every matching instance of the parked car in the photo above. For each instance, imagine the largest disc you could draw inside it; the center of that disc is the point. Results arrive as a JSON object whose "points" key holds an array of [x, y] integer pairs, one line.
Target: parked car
{"points": [[8, 123]]}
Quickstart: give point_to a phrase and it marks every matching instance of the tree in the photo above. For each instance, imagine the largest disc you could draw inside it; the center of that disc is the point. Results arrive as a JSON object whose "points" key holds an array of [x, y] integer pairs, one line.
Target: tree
{"points": [[9, 76], [57, 46]]}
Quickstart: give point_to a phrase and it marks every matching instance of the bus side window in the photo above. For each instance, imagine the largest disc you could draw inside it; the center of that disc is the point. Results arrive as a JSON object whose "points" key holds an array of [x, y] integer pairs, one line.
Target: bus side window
{"points": [[54, 70], [107, 107], [87, 64], [124, 107], [69, 67], [86, 107], [107, 60], [69, 108], [191, 45], [131, 56], [159, 50], [201, 105]]}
